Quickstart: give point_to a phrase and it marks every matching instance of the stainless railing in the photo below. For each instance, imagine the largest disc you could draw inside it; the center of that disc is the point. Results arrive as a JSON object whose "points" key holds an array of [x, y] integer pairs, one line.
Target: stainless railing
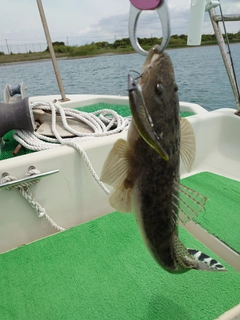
{"points": [[215, 19]]}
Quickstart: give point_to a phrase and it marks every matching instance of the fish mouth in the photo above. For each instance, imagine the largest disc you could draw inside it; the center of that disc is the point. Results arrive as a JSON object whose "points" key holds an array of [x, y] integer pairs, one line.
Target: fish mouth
{"points": [[131, 84], [142, 118]]}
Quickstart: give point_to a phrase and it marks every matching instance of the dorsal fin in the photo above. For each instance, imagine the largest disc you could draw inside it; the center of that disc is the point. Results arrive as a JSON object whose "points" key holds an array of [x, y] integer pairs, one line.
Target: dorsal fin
{"points": [[187, 144], [187, 203]]}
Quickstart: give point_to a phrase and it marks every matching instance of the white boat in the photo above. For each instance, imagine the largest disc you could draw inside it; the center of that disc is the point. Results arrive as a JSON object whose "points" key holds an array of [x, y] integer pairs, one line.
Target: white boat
{"points": [[71, 197]]}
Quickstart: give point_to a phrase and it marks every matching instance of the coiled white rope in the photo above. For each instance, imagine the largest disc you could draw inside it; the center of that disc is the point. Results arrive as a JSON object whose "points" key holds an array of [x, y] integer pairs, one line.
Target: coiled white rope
{"points": [[101, 125], [24, 190]]}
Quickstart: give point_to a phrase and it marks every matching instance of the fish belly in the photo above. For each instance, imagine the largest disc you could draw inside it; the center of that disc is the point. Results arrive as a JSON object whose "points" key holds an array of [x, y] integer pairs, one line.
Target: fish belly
{"points": [[152, 205]]}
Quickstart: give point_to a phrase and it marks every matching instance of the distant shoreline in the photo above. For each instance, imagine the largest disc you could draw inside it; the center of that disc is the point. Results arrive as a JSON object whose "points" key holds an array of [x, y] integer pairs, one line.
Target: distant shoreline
{"points": [[36, 57], [64, 58]]}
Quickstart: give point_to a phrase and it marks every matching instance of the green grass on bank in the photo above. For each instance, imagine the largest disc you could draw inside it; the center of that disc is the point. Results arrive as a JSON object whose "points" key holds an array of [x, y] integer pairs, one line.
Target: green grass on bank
{"points": [[20, 57], [98, 48]]}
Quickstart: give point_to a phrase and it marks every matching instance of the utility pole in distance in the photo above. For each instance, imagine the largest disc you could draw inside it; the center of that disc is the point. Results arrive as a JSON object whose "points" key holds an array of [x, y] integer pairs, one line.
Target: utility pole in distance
{"points": [[7, 46]]}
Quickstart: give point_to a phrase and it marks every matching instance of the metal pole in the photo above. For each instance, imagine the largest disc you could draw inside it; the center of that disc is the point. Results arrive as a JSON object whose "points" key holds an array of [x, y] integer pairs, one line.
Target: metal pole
{"points": [[222, 47], [50, 46], [227, 17]]}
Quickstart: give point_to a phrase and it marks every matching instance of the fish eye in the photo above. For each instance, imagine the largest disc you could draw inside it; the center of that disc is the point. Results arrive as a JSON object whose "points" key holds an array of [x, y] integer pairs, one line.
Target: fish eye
{"points": [[175, 87], [159, 88]]}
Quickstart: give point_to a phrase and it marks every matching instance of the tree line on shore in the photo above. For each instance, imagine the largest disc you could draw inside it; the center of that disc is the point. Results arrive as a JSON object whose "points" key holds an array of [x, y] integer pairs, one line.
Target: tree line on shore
{"points": [[124, 45]]}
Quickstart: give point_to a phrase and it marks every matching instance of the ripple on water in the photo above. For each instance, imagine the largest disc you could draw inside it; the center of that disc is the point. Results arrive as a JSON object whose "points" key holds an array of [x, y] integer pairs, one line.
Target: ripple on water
{"points": [[199, 71]]}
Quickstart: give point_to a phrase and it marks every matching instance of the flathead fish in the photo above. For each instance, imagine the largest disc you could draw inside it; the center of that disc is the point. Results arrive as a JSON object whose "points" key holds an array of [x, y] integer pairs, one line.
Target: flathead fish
{"points": [[144, 170]]}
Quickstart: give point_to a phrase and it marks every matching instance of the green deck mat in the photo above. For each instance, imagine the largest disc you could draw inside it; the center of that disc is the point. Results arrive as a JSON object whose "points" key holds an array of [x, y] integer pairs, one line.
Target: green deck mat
{"points": [[122, 110], [101, 270], [222, 214]]}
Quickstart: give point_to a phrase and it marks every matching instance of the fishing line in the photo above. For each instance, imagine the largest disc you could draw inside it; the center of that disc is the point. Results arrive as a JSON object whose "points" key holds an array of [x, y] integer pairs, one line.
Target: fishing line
{"points": [[229, 52], [139, 75]]}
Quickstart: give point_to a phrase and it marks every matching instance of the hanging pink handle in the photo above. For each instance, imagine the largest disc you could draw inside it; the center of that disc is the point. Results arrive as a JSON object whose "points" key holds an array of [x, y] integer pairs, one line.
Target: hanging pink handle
{"points": [[146, 4]]}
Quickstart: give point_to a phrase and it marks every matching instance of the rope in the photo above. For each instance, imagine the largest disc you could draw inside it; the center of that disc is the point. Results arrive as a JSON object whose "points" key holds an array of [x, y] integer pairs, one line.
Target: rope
{"points": [[103, 122], [24, 190]]}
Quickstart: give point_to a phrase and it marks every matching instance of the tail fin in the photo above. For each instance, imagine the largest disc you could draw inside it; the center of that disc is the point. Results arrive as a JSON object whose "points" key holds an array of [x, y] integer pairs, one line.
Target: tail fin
{"points": [[204, 262]]}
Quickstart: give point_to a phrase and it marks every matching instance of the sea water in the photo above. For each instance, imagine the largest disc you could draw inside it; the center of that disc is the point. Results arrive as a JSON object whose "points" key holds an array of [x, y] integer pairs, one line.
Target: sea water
{"points": [[200, 75]]}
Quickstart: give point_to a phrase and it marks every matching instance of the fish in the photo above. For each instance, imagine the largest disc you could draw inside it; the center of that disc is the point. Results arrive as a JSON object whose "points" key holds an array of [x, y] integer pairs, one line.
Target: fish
{"points": [[144, 169]]}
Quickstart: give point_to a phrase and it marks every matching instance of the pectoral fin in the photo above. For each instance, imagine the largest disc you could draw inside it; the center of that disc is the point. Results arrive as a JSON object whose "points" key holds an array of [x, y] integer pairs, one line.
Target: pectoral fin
{"points": [[187, 144], [120, 199], [115, 171], [116, 167]]}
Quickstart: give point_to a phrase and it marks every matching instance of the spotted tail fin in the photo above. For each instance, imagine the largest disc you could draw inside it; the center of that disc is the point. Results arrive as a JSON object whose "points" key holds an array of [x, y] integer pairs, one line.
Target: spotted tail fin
{"points": [[204, 262], [193, 259]]}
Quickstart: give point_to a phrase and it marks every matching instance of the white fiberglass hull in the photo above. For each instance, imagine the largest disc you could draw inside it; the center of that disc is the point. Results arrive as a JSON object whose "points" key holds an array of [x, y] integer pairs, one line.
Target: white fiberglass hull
{"points": [[71, 196]]}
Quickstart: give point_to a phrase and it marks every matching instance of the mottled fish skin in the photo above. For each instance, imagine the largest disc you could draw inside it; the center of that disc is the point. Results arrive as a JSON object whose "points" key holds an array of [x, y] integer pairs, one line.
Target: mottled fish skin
{"points": [[144, 170], [154, 186], [153, 191]]}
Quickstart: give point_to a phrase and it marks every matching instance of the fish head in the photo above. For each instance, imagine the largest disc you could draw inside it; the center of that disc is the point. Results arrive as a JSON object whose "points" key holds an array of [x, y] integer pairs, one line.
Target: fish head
{"points": [[158, 76], [142, 119], [160, 93]]}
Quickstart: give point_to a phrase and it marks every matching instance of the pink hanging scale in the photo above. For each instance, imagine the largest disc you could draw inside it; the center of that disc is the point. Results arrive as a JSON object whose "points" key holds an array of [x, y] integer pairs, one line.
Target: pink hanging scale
{"points": [[146, 4]]}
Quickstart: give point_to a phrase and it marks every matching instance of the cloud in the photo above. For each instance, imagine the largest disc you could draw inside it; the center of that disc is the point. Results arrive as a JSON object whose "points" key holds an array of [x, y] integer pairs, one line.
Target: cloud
{"points": [[106, 29], [116, 26], [86, 21]]}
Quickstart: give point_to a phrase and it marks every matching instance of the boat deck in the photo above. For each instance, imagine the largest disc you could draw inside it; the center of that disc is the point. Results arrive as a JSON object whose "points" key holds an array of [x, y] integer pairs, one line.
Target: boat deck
{"points": [[100, 269]]}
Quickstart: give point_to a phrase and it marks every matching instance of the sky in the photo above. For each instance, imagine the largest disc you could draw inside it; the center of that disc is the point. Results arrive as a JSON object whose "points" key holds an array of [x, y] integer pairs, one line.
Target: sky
{"points": [[79, 22]]}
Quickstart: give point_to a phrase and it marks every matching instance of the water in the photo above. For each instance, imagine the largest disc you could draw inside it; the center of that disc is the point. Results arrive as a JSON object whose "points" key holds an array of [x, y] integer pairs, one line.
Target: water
{"points": [[200, 75]]}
